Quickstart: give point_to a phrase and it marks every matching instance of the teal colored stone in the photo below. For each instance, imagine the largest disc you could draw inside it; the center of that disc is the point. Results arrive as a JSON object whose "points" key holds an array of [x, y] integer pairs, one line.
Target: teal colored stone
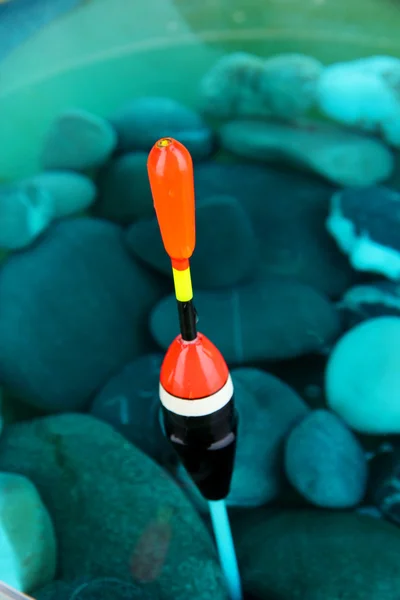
{"points": [[274, 319], [78, 140], [226, 248], [74, 310], [130, 403], [26, 211], [116, 513], [70, 192], [317, 555], [325, 462], [124, 189], [142, 121]]}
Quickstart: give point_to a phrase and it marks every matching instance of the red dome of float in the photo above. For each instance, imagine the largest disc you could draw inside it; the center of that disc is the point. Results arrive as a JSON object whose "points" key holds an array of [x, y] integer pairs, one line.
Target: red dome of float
{"points": [[193, 370]]}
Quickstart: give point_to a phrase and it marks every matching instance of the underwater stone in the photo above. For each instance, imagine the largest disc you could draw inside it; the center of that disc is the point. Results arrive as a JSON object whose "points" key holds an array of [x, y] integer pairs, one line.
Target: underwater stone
{"points": [[267, 410], [317, 555], [384, 485], [74, 311], [142, 121], [70, 192], [124, 189], [363, 377], [78, 140], [226, 248], [370, 300], [26, 211], [27, 541], [365, 224], [287, 210], [130, 403], [325, 462], [364, 93], [100, 588], [241, 84], [108, 500], [273, 319], [343, 157]]}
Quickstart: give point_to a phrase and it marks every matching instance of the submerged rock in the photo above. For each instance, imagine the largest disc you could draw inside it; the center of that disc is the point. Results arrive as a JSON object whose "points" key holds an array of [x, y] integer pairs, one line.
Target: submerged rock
{"points": [[343, 157], [267, 410], [124, 189], [26, 211], [325, 462], [27, 542], [242, 84], [70, 192], [374, 299], [226, 248], [73, 311], [363, 376], [314, 555], [263, 320], [364, 93], [78, 140], [384, 485], [130, 403], [142, 121], [365, 224], [116, 514], [288, 211]]}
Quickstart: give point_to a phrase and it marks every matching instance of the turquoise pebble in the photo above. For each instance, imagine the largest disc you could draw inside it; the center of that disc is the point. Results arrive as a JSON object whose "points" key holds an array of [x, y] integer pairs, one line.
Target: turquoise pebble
{"points": [[142, 121], [73, 312], [325, 462], [116, 513], [26, 211], [274, 319], [70, 192], [226, 248], [130, 403], [78, 140], [124, 189]]}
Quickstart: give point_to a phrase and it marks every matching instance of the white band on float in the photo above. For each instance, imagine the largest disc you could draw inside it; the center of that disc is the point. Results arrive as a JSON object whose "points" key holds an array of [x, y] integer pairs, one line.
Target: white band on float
{"points": [[200, 407]]}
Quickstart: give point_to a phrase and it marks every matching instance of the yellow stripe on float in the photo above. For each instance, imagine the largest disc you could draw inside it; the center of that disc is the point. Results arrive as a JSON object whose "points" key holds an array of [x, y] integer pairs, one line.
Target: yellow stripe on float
{"points": [[183, 285]]}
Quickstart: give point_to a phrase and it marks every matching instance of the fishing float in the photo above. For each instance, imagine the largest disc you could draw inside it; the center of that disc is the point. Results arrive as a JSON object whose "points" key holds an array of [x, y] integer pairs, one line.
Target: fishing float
{"points": [[196, 390]]}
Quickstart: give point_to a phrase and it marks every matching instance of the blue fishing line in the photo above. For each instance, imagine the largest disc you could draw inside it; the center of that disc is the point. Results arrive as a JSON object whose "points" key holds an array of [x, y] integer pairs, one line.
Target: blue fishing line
{"points": [[226, 548]]}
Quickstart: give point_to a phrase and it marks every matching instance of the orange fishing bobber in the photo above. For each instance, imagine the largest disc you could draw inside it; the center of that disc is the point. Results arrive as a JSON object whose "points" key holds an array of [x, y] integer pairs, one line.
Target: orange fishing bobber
{"points": [[170, 170], [196, 390]]}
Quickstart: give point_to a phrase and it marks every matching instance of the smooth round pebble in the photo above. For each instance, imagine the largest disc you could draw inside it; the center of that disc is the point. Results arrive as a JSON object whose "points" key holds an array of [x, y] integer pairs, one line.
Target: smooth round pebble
{"points": [[317, 555], [363, 376], [263, 320], [26, 210], [142, 121], [343, 157], [73, 312], [226, 248], [325, 462], [365, 224], [78, 140], [70, 192], [267, 410], [124, 189], [28, 552], [115, 512], [287, 210], [130, 403]]}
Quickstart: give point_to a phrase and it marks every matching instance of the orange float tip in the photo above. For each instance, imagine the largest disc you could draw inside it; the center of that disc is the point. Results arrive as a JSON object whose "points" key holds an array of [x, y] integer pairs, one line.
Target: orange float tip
{"points": [[170, 171]]}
